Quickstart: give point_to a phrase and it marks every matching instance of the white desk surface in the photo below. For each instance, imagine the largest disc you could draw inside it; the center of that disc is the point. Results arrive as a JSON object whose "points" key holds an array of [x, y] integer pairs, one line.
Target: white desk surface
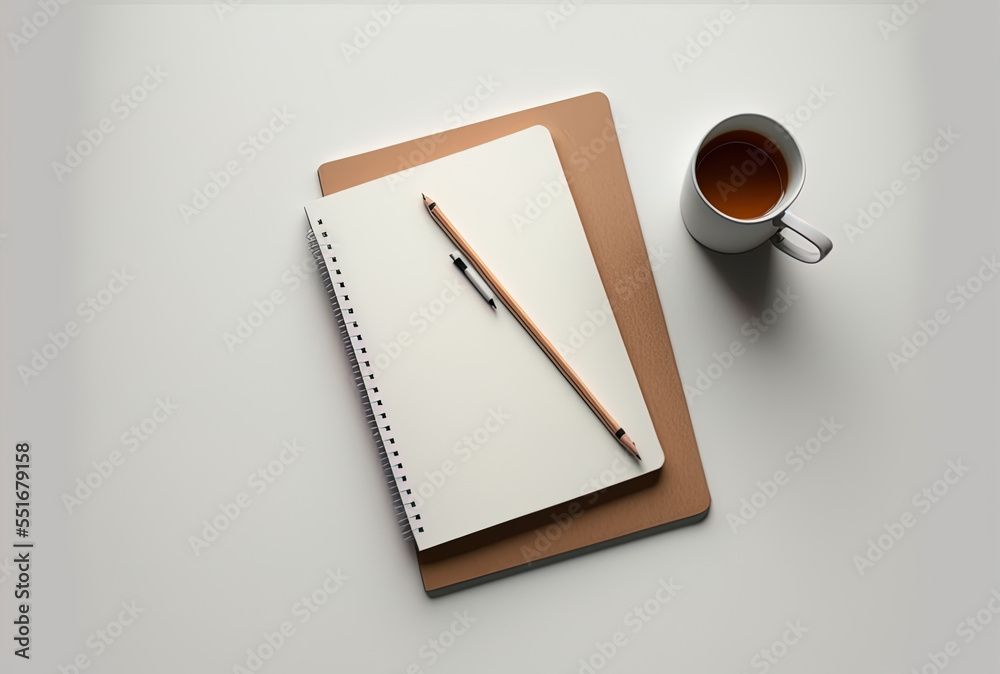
{"points": [[162, 338]]}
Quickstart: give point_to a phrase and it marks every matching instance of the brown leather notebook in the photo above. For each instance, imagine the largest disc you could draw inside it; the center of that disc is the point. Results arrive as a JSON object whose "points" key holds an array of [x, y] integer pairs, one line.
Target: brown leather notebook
{"points": [[587, 143]]}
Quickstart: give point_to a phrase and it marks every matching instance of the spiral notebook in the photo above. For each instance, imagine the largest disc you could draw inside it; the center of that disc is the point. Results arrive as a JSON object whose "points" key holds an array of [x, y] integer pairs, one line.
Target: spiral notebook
{"points": [[477, 428]]}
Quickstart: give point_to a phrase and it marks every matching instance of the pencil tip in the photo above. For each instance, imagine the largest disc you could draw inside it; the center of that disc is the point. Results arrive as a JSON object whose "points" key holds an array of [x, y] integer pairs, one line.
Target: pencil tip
{"points": [[424, 196], [627, 443], [493, 304]]}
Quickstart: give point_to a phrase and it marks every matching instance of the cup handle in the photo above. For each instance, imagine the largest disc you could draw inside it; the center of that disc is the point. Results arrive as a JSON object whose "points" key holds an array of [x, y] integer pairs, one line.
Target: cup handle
{"points": [[806, 231]]}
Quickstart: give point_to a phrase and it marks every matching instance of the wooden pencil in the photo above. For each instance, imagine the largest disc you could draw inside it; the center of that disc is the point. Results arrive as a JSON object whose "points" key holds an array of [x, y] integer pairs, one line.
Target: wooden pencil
{"points": [[541, 340]]}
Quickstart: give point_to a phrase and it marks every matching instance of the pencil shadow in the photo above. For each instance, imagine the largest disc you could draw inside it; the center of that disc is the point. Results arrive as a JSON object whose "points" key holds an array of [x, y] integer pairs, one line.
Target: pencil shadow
{"points": [[749, 275]]}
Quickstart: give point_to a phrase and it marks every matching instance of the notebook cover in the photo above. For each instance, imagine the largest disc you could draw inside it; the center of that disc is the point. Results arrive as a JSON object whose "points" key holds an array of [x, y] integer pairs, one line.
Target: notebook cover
{"points": [[586, 141]]}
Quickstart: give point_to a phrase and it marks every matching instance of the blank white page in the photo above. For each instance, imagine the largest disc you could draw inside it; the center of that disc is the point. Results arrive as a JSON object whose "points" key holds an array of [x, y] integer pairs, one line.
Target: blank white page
{"points": [[486, 427]]}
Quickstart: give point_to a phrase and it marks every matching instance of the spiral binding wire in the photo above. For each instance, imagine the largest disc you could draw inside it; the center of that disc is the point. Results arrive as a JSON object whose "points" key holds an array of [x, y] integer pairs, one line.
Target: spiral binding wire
{"points": [[404, 503]]}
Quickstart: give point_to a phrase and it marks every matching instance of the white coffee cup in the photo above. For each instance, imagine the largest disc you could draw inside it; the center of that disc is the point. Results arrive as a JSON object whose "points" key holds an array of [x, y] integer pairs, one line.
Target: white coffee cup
{"points": [[726, 234]]}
